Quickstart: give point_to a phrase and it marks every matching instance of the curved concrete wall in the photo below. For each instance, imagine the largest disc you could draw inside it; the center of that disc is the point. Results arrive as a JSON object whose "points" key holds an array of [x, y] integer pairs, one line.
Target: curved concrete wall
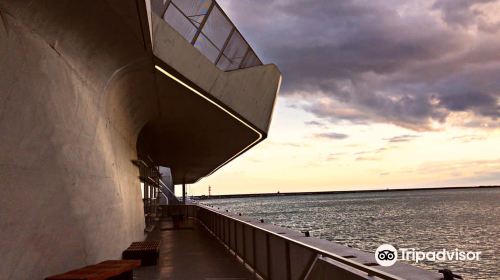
{"points": [[76, 87]]}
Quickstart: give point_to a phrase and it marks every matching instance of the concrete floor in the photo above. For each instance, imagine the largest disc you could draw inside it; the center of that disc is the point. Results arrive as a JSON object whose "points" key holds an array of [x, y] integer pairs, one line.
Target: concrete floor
{"points": [[191, 253]]}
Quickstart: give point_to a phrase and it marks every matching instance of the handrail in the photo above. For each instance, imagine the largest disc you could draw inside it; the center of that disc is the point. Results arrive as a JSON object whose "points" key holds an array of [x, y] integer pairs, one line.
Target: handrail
{"points": [[166, 187], [367, 269], [162, 188]]}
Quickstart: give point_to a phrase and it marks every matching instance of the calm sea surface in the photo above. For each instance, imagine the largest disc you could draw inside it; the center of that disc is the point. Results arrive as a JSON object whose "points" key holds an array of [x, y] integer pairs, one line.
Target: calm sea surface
{"points": [[428, 220]]}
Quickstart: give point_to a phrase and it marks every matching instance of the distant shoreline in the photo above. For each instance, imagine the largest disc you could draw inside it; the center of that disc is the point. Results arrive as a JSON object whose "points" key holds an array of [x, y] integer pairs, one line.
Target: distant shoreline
{"points": [[222, 196]]}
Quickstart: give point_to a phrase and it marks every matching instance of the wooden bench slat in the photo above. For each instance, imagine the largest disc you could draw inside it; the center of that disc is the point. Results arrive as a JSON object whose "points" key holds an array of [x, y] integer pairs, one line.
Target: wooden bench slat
{"points": [[100, 271], [147, 251]]}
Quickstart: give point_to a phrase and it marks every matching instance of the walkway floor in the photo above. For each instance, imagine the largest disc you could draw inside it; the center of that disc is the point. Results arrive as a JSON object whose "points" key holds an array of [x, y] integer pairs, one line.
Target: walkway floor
{"points": [[191, 253]]}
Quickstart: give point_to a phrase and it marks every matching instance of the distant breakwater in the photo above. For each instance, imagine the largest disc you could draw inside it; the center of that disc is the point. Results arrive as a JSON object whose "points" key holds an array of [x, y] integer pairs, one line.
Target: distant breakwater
{"points": [[223, 196]]}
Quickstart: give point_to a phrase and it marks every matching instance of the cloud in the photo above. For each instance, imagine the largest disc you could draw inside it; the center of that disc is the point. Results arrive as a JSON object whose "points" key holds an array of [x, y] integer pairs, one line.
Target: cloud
{"points": [[315, 123], [331, 157], [461, 13], [487, 166], [404, 62], [288, 144], [464, 101], [376, 151], [468, 138], [334, 156], [366, 158], [401, 138], [331, 135]]}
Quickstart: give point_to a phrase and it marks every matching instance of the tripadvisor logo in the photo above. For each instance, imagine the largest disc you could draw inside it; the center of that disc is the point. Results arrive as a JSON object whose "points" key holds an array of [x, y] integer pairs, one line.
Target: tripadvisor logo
{"points": [[387, 255]]}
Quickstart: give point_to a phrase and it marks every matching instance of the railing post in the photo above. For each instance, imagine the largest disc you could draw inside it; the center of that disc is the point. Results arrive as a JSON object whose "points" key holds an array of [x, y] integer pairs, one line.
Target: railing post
{"points": [[229, 233], [268, 253], [288, 261], [217, 232], [226, 230], [219, 225], [254, 255], [213, 221], [235, 237], [243, 240]]}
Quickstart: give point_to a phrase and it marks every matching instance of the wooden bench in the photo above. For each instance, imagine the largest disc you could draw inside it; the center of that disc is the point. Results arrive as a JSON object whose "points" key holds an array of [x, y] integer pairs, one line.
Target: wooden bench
{"points": [[147, 251], [113, 269]]}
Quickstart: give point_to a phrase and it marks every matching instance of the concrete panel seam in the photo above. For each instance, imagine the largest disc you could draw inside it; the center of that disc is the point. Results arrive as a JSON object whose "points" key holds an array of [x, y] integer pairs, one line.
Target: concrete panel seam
{"points": [[214, 82]]}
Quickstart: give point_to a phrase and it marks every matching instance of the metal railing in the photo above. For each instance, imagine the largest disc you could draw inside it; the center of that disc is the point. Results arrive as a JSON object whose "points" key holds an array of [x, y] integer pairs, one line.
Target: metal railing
{"points": [[149, 176], [274, 256], [205, 25], [168, 193]]}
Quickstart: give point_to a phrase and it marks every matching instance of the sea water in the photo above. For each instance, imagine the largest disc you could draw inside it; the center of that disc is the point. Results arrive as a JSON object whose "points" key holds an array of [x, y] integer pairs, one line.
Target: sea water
{"points": [[427, 220]]}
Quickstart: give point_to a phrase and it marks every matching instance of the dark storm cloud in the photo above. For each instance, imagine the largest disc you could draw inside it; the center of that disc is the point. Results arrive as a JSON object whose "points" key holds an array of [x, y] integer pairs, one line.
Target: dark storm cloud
{"points": [[486, 103], [410, 63], [331, 135], [459, 12]]}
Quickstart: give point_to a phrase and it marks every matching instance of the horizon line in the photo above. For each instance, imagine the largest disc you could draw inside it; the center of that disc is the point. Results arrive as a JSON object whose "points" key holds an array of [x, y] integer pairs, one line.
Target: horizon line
{"points": [[243, 195]]}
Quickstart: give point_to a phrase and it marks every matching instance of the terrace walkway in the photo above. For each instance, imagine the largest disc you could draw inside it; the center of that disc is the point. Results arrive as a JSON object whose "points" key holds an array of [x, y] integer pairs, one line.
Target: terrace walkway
{"points": [[191, 253]]}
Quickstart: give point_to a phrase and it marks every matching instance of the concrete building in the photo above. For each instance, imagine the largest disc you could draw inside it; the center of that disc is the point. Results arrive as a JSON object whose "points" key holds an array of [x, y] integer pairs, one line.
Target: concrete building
{"points": [[88, 87], [98, 100]]}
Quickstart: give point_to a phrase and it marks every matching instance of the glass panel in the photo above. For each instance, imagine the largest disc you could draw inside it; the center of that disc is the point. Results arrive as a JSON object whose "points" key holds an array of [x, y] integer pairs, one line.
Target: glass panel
{"points": [[224, 64], [206, 48], [195, 10], [186, 16], [180, 23], [217, 28], [251, 60], [235, 50]]}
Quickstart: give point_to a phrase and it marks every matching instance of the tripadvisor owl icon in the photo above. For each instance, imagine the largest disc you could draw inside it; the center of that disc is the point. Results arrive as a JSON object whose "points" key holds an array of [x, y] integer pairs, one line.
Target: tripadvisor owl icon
{"points": [[386, 255]]}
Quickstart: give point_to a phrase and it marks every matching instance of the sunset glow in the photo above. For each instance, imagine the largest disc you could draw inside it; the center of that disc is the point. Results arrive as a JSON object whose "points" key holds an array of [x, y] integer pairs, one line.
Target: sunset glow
{"points": [[397, 94]]}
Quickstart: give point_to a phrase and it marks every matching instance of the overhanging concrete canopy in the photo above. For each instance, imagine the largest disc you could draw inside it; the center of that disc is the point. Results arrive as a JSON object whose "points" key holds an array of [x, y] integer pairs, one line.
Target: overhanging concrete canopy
{"points": [[207, 116], [192, 136]]}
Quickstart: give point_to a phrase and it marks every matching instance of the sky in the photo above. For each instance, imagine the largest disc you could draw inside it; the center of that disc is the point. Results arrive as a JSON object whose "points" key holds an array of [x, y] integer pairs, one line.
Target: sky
{"points": [[375, 95]]}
